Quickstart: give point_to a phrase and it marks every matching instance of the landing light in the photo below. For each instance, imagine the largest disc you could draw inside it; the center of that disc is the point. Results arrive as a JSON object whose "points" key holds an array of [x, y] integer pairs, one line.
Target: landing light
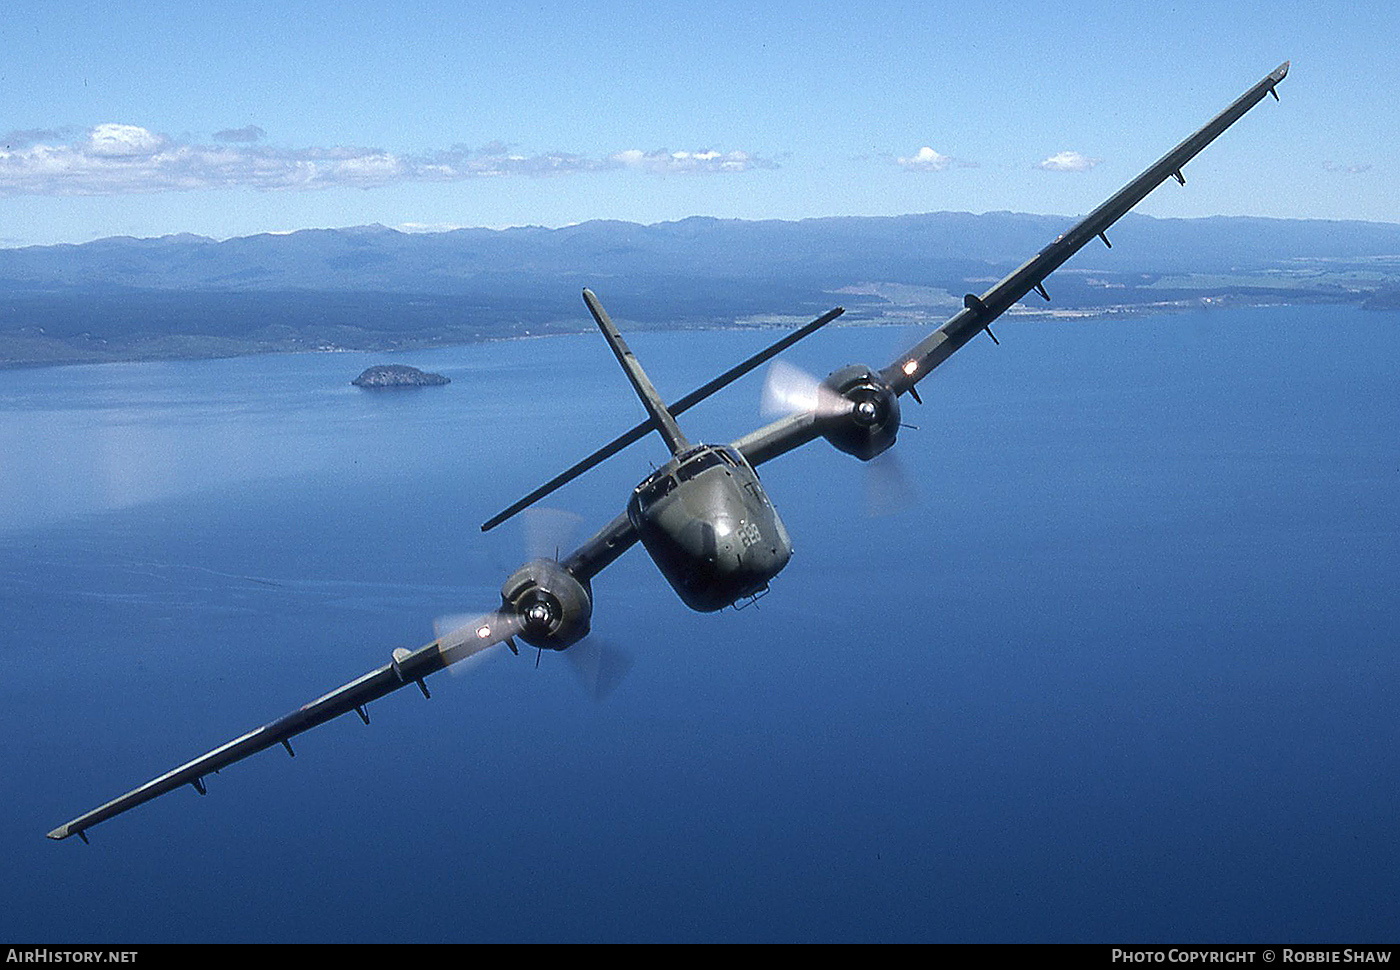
{"points": [[482, 632], [910, 366]]}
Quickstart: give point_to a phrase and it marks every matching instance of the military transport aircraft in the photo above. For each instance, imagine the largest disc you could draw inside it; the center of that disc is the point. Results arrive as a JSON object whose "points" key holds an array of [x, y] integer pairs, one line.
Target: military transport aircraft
{"points": [[703, 516]]}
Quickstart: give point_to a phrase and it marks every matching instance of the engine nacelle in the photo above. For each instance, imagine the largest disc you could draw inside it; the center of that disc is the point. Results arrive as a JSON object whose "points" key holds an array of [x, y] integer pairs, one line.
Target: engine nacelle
{"points": [[872, 423], [553, 605]]}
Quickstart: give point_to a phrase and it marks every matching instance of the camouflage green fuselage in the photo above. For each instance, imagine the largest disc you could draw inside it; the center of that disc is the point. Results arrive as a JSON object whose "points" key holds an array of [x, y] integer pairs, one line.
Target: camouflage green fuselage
{"points": [[709, 527]]}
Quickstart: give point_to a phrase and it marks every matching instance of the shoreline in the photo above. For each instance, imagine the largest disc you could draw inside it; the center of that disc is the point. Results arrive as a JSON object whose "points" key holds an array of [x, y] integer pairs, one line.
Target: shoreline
{"points": [[915, 315]]}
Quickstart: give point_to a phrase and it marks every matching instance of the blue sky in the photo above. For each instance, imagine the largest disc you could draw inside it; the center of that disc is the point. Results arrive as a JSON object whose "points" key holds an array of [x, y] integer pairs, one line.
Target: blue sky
{"points": [[234, 118]]}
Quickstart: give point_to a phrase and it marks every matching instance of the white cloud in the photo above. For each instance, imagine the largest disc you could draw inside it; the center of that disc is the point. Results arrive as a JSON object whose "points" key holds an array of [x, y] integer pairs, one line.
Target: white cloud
{"points": [[116, 159], [925, 160], [666, 162], [123, 141], [1068, 162]]}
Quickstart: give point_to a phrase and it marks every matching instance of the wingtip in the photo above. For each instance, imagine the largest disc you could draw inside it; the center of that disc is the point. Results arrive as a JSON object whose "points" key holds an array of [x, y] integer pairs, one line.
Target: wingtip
{"points": [[60, 833], [1281, 71]]}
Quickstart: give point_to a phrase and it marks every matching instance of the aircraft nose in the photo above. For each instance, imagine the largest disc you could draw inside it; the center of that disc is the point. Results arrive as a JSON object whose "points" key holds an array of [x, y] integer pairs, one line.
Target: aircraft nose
{"points": [[719, 542]]}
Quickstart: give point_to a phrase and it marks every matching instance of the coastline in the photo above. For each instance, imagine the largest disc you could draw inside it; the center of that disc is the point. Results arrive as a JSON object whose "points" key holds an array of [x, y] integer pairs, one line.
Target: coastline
{"points": [[193, 347]]}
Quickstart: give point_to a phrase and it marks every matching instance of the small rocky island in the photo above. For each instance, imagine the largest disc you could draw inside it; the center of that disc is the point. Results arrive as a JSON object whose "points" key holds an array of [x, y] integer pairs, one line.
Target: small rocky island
{"points": [[398, 375]]}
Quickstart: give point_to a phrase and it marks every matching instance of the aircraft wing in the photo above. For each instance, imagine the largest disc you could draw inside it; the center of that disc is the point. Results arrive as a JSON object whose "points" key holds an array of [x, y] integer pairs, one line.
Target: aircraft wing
{"points": [[979, 311], [406, 667], [618, 535]]}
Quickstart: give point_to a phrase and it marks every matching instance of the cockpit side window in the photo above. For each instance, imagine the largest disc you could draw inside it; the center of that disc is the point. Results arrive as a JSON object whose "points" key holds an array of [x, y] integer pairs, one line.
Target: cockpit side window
{"points": [[654, 491], [734, 458]]}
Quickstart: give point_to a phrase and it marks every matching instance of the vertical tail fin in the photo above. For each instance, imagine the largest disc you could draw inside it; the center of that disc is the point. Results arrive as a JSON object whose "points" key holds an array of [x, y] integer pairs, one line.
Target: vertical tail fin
{"points": [[652, 401]]}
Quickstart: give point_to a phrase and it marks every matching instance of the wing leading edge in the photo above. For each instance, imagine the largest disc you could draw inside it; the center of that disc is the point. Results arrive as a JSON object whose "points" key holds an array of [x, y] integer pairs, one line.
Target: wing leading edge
{"points": [[406, 667], [979, 311]]}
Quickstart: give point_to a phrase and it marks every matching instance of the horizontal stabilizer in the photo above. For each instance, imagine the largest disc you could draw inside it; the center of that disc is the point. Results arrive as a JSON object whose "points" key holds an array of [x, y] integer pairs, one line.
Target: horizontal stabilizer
{"points": [[680, 406]]}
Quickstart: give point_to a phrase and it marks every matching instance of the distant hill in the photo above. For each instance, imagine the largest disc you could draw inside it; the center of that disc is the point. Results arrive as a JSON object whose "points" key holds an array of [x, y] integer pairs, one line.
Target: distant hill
{"points": [[374, 288]]}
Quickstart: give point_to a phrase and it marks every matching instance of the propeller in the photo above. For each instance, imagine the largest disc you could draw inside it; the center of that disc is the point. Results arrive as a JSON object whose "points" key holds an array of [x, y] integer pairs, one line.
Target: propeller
{"points": [[788, 389], [547, 533], [888, 488], [544, 534], [462, 635], [600, 666]]}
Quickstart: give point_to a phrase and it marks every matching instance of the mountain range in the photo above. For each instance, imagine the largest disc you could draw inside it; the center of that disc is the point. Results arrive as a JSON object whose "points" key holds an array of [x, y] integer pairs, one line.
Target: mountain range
{"points": [[375, 288]]}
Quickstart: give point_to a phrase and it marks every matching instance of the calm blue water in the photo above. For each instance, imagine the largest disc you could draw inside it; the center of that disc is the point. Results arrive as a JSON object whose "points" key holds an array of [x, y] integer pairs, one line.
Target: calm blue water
{"points": [[1128, 671]]}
